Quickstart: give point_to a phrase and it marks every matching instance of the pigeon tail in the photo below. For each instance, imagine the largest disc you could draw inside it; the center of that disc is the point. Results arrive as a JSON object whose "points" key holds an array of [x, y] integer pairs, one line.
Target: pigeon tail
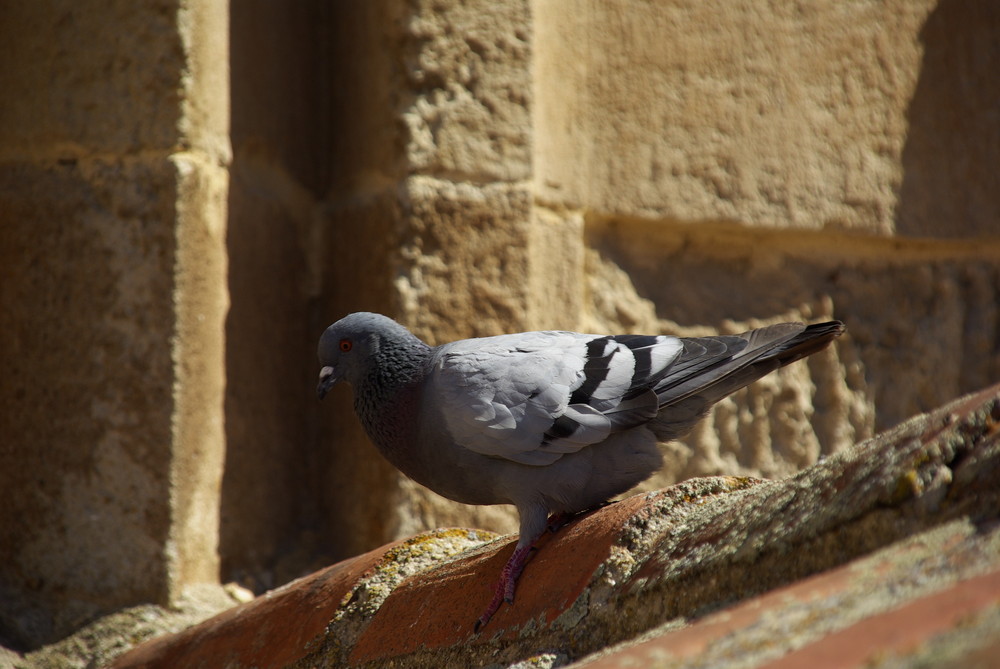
{"points": [[682, 406]]}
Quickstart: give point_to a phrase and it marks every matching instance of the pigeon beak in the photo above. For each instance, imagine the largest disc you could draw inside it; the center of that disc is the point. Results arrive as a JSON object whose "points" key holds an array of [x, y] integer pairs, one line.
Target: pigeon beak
{"points": [[327, 378]]}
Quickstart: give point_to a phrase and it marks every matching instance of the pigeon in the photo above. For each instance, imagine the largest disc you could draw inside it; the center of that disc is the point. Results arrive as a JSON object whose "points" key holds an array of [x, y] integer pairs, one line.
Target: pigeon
{"points": [[552, 422]]}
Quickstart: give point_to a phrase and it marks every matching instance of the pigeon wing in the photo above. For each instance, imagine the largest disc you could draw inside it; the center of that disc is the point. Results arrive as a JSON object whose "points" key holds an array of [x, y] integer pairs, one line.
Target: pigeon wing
{"points": [[533, 397]]}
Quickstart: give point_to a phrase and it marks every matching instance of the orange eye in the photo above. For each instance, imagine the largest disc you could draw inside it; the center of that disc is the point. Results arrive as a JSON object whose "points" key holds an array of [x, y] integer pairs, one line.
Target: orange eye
{"points": [[345, 345]]}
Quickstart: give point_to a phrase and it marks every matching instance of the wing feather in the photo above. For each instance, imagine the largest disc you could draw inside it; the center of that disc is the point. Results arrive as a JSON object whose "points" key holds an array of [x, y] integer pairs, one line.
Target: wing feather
{"points": [[535, 396]]}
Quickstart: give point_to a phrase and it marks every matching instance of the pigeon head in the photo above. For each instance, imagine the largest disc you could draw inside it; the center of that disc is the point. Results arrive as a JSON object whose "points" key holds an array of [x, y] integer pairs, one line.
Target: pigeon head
{"points": [[359, 344]]}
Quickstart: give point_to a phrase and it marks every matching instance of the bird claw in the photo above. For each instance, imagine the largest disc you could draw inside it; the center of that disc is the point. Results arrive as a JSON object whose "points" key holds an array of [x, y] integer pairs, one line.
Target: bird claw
{"points": [[494, 606], [503, 591]]}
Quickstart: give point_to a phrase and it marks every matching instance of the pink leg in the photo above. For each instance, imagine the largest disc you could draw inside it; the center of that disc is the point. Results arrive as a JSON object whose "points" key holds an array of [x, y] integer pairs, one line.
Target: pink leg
{"points": [[504, 589]]}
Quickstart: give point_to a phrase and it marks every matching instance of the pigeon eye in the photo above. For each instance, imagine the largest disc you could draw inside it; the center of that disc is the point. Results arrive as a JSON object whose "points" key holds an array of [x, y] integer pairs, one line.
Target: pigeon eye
{"points": [[346, 345]]}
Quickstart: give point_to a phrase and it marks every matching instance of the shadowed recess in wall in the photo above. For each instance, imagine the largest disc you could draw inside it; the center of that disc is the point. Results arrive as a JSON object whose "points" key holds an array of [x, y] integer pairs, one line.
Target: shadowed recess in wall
{"points": [[950, 146]]}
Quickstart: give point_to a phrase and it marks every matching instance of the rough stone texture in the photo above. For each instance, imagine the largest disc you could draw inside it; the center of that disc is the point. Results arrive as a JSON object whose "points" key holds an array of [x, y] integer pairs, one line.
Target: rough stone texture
{"points": [[771, 115], [468, 71], [113, 145], [349, 592], [100, 642], [85, 79], [464, 242], [896, 533]]}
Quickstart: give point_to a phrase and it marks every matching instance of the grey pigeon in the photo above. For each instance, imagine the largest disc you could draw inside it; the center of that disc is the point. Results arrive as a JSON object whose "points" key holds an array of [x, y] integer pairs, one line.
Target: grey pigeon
{"points": [[551, 422]]}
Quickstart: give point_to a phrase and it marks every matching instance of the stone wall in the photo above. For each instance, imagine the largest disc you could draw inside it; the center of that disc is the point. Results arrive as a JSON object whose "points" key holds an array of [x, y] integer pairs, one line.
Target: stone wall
{"points": [[114, 151], [468, 168]]}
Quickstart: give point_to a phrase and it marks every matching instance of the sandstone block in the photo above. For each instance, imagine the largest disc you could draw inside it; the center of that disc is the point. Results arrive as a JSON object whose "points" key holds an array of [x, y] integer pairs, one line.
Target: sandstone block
{"points": [[112, 85], [468, 72], [86, 292], [113, 384], [825, 119]]}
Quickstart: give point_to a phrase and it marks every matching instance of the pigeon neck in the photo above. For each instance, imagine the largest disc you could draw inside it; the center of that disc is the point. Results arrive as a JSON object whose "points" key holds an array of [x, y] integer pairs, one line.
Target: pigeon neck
{"points": [[377, 399], [397, 366]]}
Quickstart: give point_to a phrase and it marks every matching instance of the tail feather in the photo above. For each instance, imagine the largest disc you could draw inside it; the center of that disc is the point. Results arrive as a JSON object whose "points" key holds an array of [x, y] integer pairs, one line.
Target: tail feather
{"points": [[685, 401], [811, 340]]}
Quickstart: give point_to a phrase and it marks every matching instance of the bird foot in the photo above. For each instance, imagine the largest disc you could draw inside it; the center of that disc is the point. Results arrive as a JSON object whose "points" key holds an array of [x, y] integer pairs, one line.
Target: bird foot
{"points": [[503, 591], [494, 606]]}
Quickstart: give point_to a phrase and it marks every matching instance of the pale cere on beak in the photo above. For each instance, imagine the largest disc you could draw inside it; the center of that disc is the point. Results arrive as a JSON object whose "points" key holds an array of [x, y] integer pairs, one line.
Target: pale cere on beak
{"points": [[326, 381]]}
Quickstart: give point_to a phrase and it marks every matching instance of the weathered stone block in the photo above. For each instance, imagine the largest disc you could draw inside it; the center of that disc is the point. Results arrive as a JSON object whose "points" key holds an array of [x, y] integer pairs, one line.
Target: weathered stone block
{"points": [[824, 118], [86, 292], [88, 78], [114, 301], [468, 72], [464, 257]]}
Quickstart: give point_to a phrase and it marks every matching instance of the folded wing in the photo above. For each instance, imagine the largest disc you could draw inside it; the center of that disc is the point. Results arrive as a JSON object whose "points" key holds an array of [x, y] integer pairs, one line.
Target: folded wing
{"points": [[536, 396]]}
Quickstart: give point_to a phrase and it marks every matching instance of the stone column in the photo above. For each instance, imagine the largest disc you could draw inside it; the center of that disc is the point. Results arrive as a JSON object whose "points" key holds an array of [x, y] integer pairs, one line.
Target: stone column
{"points": [[114, 156]]}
